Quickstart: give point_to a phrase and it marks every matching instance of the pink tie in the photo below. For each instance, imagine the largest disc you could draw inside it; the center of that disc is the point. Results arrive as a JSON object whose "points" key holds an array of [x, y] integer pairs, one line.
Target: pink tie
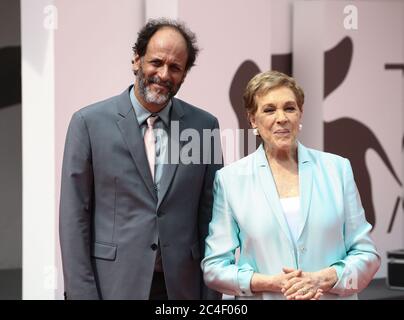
{"points": [[150, 143]]}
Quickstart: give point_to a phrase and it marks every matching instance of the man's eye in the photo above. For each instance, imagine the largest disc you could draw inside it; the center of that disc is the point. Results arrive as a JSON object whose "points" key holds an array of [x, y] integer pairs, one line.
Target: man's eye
{"points": [[268, 110]]}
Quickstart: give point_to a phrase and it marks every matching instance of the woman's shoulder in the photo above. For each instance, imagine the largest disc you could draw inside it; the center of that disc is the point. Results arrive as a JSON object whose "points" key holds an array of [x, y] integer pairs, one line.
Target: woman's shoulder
{"points": [[324, 157], [240, 166]]}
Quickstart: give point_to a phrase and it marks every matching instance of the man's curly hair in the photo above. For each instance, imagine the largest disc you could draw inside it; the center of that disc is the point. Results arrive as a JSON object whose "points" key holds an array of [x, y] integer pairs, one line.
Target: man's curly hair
{"points": [[153, 25]]}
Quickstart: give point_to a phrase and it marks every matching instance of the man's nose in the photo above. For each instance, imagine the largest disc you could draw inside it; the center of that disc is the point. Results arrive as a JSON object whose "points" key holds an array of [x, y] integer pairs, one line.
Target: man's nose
{"points": [[164, 73]]}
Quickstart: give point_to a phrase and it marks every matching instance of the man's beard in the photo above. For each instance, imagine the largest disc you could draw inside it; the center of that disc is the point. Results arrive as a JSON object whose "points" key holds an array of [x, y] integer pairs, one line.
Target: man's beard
{"points": [[151, 96]]}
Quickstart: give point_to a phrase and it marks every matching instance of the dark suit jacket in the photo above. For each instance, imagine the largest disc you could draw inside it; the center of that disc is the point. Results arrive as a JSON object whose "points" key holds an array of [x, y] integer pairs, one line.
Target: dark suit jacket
{"points": [[110, 218]]}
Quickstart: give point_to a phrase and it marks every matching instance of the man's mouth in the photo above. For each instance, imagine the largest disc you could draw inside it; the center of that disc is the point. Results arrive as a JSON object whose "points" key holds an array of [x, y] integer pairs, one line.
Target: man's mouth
{"points": [[160, 85]]}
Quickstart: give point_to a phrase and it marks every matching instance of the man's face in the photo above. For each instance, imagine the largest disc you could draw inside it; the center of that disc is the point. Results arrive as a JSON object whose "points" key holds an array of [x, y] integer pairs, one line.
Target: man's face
{"points": [[161, 71]]}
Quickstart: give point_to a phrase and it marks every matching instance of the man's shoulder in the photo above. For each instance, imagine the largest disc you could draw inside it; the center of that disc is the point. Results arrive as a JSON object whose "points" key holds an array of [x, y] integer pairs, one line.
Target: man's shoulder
{"points": [[99, 107], [194, 110]]}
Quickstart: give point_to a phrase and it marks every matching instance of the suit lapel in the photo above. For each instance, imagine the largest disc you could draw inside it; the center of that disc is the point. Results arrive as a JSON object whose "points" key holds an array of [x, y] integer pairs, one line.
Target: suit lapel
{"points": [[175, 145], [132, 136], [269, 188], [305, 184]]}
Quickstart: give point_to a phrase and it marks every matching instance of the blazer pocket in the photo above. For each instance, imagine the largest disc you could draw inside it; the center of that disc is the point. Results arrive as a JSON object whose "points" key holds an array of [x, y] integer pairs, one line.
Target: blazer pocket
{"points": [[196, 253], [104, 251]]}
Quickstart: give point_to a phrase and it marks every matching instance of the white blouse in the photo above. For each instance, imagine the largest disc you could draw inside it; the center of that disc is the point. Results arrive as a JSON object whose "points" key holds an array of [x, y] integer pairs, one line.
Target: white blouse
{"points": [[291, 210]]}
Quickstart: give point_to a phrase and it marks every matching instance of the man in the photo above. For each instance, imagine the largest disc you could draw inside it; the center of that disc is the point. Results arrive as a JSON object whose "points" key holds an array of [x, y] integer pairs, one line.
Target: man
{"points": [[133, 215]]}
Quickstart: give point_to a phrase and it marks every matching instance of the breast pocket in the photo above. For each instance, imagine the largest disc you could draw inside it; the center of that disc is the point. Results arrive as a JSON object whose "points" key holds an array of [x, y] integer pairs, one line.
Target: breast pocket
{"points": [[106, 251]]}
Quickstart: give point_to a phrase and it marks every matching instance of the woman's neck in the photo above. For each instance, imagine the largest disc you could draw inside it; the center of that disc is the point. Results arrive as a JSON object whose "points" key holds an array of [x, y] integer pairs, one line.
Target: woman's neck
{"points": [[283, 157]]}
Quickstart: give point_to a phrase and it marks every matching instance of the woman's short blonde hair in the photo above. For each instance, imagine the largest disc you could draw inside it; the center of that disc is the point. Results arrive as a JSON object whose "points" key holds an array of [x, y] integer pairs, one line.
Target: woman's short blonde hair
{"points": [[263, 82]]}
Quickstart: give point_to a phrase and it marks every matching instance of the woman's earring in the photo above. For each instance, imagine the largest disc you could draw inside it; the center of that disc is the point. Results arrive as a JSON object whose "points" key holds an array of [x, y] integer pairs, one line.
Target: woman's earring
{"points": [[255, 132], [300, 127]]}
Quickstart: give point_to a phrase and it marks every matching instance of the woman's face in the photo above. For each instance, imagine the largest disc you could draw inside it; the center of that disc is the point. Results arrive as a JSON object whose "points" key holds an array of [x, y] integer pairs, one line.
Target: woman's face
{"points": [[277, 118]]}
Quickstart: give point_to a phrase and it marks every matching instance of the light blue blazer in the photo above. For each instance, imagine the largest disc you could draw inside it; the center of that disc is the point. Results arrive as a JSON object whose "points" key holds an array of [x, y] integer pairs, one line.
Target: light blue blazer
{"points": [[247, 214]]}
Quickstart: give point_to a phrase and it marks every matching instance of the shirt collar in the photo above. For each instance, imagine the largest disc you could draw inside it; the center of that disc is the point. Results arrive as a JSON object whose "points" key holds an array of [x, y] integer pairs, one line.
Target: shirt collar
{"points": [[142, 113]]}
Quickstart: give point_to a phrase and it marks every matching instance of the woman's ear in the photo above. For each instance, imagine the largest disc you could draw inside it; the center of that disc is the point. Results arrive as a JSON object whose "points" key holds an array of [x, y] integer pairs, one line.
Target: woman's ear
{"points": [[251, 119]]}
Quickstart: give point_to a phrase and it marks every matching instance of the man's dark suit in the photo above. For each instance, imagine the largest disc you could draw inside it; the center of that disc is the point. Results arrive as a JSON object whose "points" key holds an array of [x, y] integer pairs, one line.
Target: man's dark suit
{"points": [[110, 218]]}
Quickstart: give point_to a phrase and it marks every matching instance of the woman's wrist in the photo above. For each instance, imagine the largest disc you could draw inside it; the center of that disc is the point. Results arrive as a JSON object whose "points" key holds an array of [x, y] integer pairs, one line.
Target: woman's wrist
{"points": [[261, 283], [328, 278]]}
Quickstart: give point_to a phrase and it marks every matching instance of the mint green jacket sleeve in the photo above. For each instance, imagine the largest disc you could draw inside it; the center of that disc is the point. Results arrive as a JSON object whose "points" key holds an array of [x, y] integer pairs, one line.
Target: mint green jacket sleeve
{"points": [[362, 261], [221, 273]]}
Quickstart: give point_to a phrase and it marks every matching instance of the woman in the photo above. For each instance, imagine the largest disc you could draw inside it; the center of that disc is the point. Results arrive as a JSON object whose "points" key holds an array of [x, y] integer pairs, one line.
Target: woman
{"points": [[294, 212]]}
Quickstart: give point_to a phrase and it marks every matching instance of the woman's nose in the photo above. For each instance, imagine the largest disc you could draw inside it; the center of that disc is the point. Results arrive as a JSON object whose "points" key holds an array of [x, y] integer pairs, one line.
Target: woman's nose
{"points": [[280, 116]]}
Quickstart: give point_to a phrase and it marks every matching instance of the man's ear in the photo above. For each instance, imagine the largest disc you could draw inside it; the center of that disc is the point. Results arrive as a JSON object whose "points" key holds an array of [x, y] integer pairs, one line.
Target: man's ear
{"points": [[183, 78], [135, 63]]}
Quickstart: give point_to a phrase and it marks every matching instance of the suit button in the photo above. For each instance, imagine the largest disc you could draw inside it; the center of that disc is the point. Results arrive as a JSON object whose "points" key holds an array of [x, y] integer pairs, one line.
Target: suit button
{"points": [[154, 247]]}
